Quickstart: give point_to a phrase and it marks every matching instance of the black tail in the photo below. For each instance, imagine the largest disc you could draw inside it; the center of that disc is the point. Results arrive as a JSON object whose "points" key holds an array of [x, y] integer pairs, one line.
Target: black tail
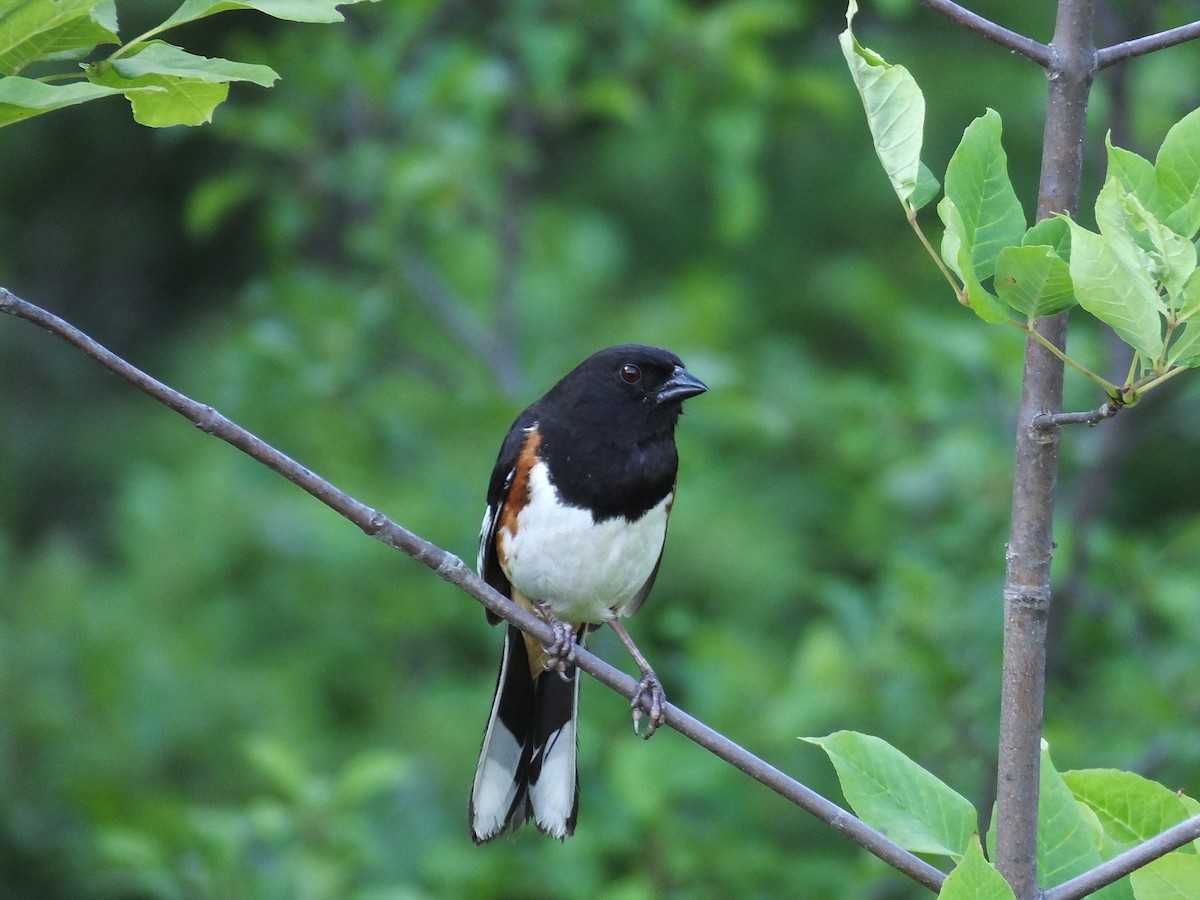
{"points": [[527, 762]]}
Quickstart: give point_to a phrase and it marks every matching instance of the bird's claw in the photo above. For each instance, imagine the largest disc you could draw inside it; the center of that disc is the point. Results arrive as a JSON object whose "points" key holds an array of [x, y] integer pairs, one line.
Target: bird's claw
{"points": [[648, 700], [560, 653]]}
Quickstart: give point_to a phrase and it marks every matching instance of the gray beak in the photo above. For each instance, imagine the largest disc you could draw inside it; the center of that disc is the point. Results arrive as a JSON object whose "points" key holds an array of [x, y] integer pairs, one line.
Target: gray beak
{"points": [[681, 385]]}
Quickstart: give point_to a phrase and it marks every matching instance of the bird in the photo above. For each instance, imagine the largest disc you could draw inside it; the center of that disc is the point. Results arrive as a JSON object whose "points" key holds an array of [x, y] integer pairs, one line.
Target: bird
{"points": [[576, 521]]}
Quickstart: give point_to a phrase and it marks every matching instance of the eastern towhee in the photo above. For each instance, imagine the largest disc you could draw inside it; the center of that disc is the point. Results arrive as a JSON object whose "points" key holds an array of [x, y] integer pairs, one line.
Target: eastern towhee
{"points": [[576, 518]]}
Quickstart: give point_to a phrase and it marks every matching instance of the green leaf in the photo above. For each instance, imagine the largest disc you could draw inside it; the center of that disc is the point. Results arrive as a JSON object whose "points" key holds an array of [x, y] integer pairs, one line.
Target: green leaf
{"points": [[1185, 346], [368, 775], [927, 188], [956, 251], [1137, 175], [177, 101], [1178, 170], [1034, 280], [1069, 833], [23, 98], [1142, 242], [1175, 876], [895, 110], [977, 184], [292, 10], [280, 765], [161, 58], [893, 794], [1052, 232], [974, 878], [1131, 809], [1117, 295], [38, 28]]}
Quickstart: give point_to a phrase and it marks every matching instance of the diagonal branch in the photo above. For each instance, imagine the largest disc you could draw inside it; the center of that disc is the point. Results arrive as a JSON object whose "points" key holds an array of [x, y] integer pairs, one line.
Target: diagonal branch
{"points": [[1149, 44], [998, 34], [432, 291], [452, 569], [1122, 864]]}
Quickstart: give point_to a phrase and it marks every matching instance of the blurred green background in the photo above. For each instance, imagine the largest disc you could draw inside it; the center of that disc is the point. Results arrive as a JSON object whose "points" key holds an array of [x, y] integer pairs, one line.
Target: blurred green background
{"points": [[211, 686]]}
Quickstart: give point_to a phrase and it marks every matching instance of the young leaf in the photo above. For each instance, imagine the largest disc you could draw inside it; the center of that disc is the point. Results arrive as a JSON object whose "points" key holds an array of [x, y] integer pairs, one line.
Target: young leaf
{"points": [[1142, 242], [1178, 169], [1034, 281], [977, 184], [1122, 297], [40, 28], [176, 101], [956, 251], [1052, 232], [974, 878], [1185, 346], [292, 10], [1175, 876], [1069, 833], [1136, 174], [895, 115], [893, 794], [1131, 809], [23, 98], [161, 58]]}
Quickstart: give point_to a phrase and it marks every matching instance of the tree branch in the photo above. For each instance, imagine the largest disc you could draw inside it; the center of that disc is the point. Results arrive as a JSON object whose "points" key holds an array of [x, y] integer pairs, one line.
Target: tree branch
{"points": [[1045, 422], [1031, 545], [452, 569], [1122, 864], [998, 34], [1141, 46], [429, 288]]}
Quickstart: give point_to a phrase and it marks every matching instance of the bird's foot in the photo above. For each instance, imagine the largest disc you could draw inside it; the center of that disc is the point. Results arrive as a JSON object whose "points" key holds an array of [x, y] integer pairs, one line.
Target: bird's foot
{"points": [[649, 700], [560, 652]]}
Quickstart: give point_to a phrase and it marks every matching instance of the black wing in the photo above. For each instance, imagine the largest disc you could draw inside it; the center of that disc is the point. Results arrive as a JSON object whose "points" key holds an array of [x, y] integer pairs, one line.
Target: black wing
{"points": [[488, 564]]}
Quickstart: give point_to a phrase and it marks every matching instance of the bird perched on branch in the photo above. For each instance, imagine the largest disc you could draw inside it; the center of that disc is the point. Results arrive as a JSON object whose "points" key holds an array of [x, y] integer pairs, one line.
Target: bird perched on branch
{"points": [[576, 519]]}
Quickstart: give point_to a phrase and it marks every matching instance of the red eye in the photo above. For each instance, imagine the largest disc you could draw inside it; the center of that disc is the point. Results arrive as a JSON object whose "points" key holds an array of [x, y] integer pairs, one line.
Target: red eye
{"points": [[630, 374]]}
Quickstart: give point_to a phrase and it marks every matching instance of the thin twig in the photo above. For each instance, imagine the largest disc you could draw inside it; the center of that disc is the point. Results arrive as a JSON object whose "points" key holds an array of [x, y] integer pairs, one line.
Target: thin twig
{"points": [[1121, 865], [1050, 421], [997, 34], [1149, 44], [452, 569], [432, 291]]}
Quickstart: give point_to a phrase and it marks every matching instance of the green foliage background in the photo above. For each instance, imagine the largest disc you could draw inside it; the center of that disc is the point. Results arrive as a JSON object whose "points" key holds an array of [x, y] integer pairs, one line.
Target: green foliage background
{"points": [[213, 687]]}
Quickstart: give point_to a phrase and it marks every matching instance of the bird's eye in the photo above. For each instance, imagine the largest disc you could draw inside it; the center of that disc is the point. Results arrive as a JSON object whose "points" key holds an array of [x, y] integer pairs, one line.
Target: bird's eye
{"points": [[630, 374]]}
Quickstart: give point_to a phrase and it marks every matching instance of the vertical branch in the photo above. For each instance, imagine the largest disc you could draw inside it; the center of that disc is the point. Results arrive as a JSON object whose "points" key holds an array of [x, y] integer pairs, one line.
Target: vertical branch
{"points": [[1030, 546]]}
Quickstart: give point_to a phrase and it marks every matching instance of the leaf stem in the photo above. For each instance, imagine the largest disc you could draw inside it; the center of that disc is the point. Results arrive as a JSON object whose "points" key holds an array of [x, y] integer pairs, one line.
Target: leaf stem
{"points": [[1109, 388], [958, 289], [1156, 381]]}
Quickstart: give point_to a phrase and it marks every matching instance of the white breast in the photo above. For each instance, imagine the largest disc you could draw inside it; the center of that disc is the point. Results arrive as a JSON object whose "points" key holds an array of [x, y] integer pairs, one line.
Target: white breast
{"points": [[585, 571]]}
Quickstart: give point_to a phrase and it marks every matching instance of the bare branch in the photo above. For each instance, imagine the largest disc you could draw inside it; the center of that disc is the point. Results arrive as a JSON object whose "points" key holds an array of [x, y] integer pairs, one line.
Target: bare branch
{"points": [[452, 569], [431, 289], [1121, 865], [1049, 421], [1031, 542], [1149, 44], [998, 34]]}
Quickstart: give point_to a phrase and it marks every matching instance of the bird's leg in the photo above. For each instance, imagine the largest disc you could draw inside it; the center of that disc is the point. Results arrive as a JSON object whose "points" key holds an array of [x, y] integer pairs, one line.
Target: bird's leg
{"points": [[560, 653], [649, 696]]}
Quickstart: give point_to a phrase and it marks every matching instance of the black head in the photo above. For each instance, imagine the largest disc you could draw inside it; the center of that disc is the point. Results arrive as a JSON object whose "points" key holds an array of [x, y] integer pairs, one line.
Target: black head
{"points": [[628, 391]]}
